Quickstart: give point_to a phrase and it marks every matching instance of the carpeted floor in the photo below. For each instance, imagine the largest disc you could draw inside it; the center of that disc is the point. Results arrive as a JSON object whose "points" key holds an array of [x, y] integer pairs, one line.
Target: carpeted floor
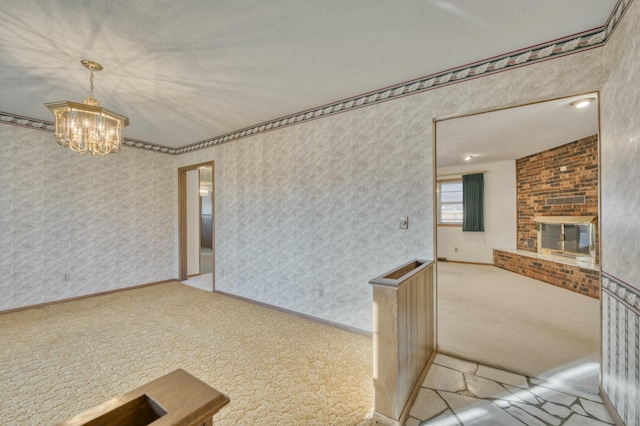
{"points": [[59, 360], [502, 319]]}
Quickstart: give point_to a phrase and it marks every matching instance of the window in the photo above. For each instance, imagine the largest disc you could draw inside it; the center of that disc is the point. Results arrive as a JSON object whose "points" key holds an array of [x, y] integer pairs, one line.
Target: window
{"points": [[450, 202]]}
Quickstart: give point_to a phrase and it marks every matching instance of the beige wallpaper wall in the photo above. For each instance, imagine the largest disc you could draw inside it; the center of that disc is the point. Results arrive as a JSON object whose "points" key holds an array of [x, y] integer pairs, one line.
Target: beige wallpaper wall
{"points": [[620, 127], [620, 200], [306, 215], [107, 222]]}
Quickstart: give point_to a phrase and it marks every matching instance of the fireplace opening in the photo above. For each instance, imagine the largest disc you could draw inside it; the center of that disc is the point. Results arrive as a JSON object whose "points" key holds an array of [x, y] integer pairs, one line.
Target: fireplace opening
{"points": [[567, 236]]}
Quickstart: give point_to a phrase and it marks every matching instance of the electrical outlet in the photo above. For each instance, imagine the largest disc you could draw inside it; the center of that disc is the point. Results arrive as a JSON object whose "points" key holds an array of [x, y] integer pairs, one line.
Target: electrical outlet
{"points": [[404, 222], [321, 292], [455, 249], [66, 277]]}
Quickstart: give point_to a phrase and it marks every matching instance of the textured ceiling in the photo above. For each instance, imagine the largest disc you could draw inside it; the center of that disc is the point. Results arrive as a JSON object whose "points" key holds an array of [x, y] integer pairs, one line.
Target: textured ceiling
{"points": [[513, 133], [188, 71]]}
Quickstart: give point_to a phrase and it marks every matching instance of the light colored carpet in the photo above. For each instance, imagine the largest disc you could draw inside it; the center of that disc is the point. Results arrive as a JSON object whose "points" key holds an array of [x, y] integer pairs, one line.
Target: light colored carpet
{"points": [[59, 360], [499, 318]]}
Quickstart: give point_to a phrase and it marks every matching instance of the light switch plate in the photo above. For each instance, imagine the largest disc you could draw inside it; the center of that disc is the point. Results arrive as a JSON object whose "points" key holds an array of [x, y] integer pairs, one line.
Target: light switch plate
{"points": [[404, 222]]}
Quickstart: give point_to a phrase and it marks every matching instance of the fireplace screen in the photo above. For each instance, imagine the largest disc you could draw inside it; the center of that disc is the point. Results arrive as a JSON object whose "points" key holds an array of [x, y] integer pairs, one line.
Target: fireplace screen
{"points": [[551, 236], [576, 238], [566, 239]]}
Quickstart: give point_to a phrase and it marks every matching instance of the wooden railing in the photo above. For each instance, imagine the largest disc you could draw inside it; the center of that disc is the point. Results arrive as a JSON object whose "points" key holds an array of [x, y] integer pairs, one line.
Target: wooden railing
{"points": [[403, 337], [177, 399]]}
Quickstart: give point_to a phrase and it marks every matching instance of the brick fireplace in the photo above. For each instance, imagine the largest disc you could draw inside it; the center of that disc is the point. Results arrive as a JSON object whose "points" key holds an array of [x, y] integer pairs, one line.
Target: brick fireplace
{"points": [[562, 181], [557, 190]]}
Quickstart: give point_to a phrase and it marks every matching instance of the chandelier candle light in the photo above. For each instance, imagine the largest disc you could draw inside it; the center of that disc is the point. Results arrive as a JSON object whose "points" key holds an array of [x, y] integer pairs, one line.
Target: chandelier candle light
{"points": [[87, 127]]}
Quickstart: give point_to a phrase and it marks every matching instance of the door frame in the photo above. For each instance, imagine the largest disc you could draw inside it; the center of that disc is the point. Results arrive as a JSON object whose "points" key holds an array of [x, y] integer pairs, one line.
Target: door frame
{"points": [[436, 120], [182, 220]]}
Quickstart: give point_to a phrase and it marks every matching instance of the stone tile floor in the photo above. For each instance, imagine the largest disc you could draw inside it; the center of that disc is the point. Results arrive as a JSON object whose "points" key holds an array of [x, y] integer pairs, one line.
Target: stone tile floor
{"points": [[458, 392]]}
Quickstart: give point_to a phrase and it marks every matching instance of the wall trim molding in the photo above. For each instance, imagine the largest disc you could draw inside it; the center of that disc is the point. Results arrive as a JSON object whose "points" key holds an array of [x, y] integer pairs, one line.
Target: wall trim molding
{"points": [[462, 262], [575, 43], [86, 296], [297, 314]]}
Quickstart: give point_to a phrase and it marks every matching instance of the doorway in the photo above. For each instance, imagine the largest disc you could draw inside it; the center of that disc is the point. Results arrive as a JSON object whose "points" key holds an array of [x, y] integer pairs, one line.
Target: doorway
{"points": [[489, 314], [196, 224], [205, 219]]}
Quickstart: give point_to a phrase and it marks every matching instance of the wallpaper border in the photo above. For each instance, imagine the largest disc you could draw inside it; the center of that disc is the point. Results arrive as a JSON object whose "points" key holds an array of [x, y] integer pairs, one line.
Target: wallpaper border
{"points": [[621, 348], [47, 126], [621, 291], [554, 49]]}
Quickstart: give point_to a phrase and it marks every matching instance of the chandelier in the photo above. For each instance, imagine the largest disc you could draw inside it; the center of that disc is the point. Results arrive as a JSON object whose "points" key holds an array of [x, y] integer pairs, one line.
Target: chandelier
{"points": [[87, 127]]}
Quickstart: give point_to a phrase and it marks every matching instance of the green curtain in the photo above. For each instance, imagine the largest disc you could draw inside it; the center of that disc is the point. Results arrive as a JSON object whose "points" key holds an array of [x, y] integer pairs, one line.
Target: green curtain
{"points": [[473, 203]]}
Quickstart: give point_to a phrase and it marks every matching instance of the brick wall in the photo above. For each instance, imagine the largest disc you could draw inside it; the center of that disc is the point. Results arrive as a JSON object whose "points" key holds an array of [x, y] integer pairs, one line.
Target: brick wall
{"points": [[580, 280], [539, 177]]}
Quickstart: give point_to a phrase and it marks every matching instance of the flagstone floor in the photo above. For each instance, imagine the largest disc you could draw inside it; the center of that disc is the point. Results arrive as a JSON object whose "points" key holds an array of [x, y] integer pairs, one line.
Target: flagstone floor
{"points": [[458, 392]]}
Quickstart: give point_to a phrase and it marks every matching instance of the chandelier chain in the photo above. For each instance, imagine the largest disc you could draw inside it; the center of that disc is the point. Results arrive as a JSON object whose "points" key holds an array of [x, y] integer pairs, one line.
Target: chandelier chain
{"points": [[91, 83]]}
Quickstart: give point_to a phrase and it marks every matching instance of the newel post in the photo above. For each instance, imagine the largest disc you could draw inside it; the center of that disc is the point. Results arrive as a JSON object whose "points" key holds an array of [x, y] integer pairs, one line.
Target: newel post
{"points": [[403, 337]]}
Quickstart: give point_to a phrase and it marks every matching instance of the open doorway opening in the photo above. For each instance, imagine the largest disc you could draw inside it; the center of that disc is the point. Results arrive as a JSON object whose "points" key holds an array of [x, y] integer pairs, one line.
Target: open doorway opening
{"points": [[205, 220], [196, 225], [501, 300]]}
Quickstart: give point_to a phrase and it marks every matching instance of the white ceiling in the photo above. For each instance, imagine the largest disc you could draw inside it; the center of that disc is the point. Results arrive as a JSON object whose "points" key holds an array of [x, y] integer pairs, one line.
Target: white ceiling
{"points": [[513, 133], [186, 71]]}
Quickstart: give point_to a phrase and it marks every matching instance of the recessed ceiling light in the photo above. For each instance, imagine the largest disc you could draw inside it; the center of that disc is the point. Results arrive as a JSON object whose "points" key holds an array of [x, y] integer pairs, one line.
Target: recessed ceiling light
{"points": [[581, 103], [468, 157]]}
